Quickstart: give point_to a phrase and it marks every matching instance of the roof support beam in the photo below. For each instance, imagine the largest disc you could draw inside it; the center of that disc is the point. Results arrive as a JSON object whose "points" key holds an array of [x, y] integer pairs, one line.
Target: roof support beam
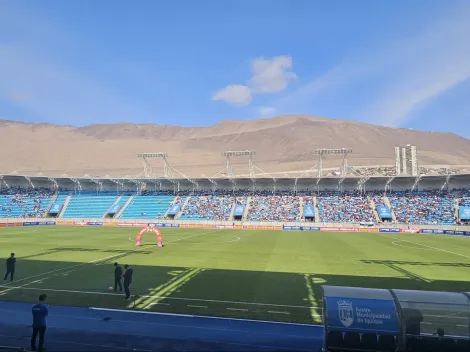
{"points": [[362, 182], [214, 184], [29, 181], [78, 186], [416, 182], [99, 184], [388, 184], [446, 183], [3, 181], [55, 185]]}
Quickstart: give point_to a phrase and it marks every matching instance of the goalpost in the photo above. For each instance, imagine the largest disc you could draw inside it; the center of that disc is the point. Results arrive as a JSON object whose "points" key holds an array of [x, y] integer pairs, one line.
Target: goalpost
{"points": [[149, 229]]}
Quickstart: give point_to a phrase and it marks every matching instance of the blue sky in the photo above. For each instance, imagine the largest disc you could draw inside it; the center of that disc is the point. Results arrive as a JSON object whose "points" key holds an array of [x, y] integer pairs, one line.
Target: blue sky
{"points": [[396, 63]]}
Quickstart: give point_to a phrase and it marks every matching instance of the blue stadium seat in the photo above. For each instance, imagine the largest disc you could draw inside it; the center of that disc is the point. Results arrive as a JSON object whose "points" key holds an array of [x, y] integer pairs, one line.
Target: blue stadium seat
{"points": [[89, 205], [147, 207]]}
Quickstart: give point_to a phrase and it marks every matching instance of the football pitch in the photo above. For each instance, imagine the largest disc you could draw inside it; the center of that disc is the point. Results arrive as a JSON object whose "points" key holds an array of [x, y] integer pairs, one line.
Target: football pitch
{"points": [[265, 275]]}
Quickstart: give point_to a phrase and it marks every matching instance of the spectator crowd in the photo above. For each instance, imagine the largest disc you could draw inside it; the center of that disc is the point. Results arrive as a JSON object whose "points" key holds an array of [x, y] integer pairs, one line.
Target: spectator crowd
{"points": [[428, 207], [434, 207], [274, 208], [353, 206], [24, 203], [208, 208]]}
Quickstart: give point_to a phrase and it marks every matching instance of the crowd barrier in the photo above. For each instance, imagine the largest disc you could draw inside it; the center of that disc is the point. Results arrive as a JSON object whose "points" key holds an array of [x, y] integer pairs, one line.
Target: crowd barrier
{"points": [[236, 226]]}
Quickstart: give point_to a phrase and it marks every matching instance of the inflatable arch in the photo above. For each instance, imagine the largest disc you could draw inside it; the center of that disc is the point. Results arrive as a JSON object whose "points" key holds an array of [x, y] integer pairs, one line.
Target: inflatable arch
{"points": [[149, 229]]}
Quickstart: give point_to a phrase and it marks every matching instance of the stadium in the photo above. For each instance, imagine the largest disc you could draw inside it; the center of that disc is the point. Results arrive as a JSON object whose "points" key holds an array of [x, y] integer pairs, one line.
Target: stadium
{"points": [[265, 253], [235, 176]]}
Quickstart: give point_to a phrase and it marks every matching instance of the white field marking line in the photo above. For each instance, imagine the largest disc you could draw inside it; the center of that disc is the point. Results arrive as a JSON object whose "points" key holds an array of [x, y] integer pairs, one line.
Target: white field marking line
{"points": [[276, 312], [183, 238], [436, 249], [63, 269], [161, 297], [157, 304], [154, 304], [195, 306], [401, 245], [196, 316], [238, 309], [236, 239], [18, 232], [83, 344], [196, 235]]}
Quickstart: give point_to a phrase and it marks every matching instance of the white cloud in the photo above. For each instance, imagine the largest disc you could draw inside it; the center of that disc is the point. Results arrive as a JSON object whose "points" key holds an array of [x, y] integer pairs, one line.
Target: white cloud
{"points": [[235, 94], [271, 75], [268, 76], [267, 111]]}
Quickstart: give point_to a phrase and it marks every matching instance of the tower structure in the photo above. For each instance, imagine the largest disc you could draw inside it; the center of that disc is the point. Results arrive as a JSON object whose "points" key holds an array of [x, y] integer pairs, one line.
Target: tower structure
{"points": [[406, 160]]}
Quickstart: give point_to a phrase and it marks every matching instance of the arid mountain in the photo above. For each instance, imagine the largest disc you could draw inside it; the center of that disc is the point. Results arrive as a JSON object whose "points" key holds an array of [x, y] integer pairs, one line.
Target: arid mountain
{"points": [[283, 143]]}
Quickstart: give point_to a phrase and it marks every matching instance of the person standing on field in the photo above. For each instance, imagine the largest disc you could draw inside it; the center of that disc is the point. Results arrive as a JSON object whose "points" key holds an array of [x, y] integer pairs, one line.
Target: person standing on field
{"points": [[127, 276], [117, 277], [40, 312], [10, 266]]}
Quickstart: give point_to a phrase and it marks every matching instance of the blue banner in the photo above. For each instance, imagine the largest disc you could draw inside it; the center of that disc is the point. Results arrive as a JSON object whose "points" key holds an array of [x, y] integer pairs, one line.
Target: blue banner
{"points": [[464, 213], [362, 315], [309, 211], [114, 209], [37, 223], [389, 230], [384, 212], [439, 232], [291, 228], [310, 228], [56, 207], [239, 210], [456, 232], [174, 209], [159, 224], [94, 223], [300, 228]]}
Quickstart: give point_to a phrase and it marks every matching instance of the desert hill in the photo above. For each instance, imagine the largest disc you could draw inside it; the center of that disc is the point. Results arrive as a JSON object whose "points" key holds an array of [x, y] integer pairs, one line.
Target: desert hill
{"points": [[282, 143]]}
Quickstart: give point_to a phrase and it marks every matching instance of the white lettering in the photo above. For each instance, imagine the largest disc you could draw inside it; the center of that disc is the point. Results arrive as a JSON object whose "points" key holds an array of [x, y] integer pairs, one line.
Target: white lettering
{"points": [[366, 316]]}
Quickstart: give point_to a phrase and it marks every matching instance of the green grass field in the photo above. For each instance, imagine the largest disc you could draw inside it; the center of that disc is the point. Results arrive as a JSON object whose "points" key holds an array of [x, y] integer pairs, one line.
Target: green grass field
{"points": [[268, 275]]}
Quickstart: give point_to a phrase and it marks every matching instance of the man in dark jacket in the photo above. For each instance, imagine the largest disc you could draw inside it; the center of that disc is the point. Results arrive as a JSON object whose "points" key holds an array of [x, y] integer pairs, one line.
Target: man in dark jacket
{"points": [[10, 264], [117, 277], [127, 276]]}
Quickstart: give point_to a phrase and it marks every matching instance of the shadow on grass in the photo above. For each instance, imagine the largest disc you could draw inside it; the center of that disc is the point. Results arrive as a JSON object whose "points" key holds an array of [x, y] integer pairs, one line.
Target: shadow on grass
{"points": [[78, 249], [274, 296]]}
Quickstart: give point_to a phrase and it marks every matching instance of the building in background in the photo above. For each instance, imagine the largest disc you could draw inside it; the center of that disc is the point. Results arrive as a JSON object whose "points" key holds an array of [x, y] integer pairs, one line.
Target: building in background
{"points": [[406, 160]]}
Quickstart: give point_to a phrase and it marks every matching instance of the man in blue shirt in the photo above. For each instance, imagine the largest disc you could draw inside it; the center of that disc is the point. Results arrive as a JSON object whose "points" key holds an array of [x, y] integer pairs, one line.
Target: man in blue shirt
{"points": [[40, 312]]}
